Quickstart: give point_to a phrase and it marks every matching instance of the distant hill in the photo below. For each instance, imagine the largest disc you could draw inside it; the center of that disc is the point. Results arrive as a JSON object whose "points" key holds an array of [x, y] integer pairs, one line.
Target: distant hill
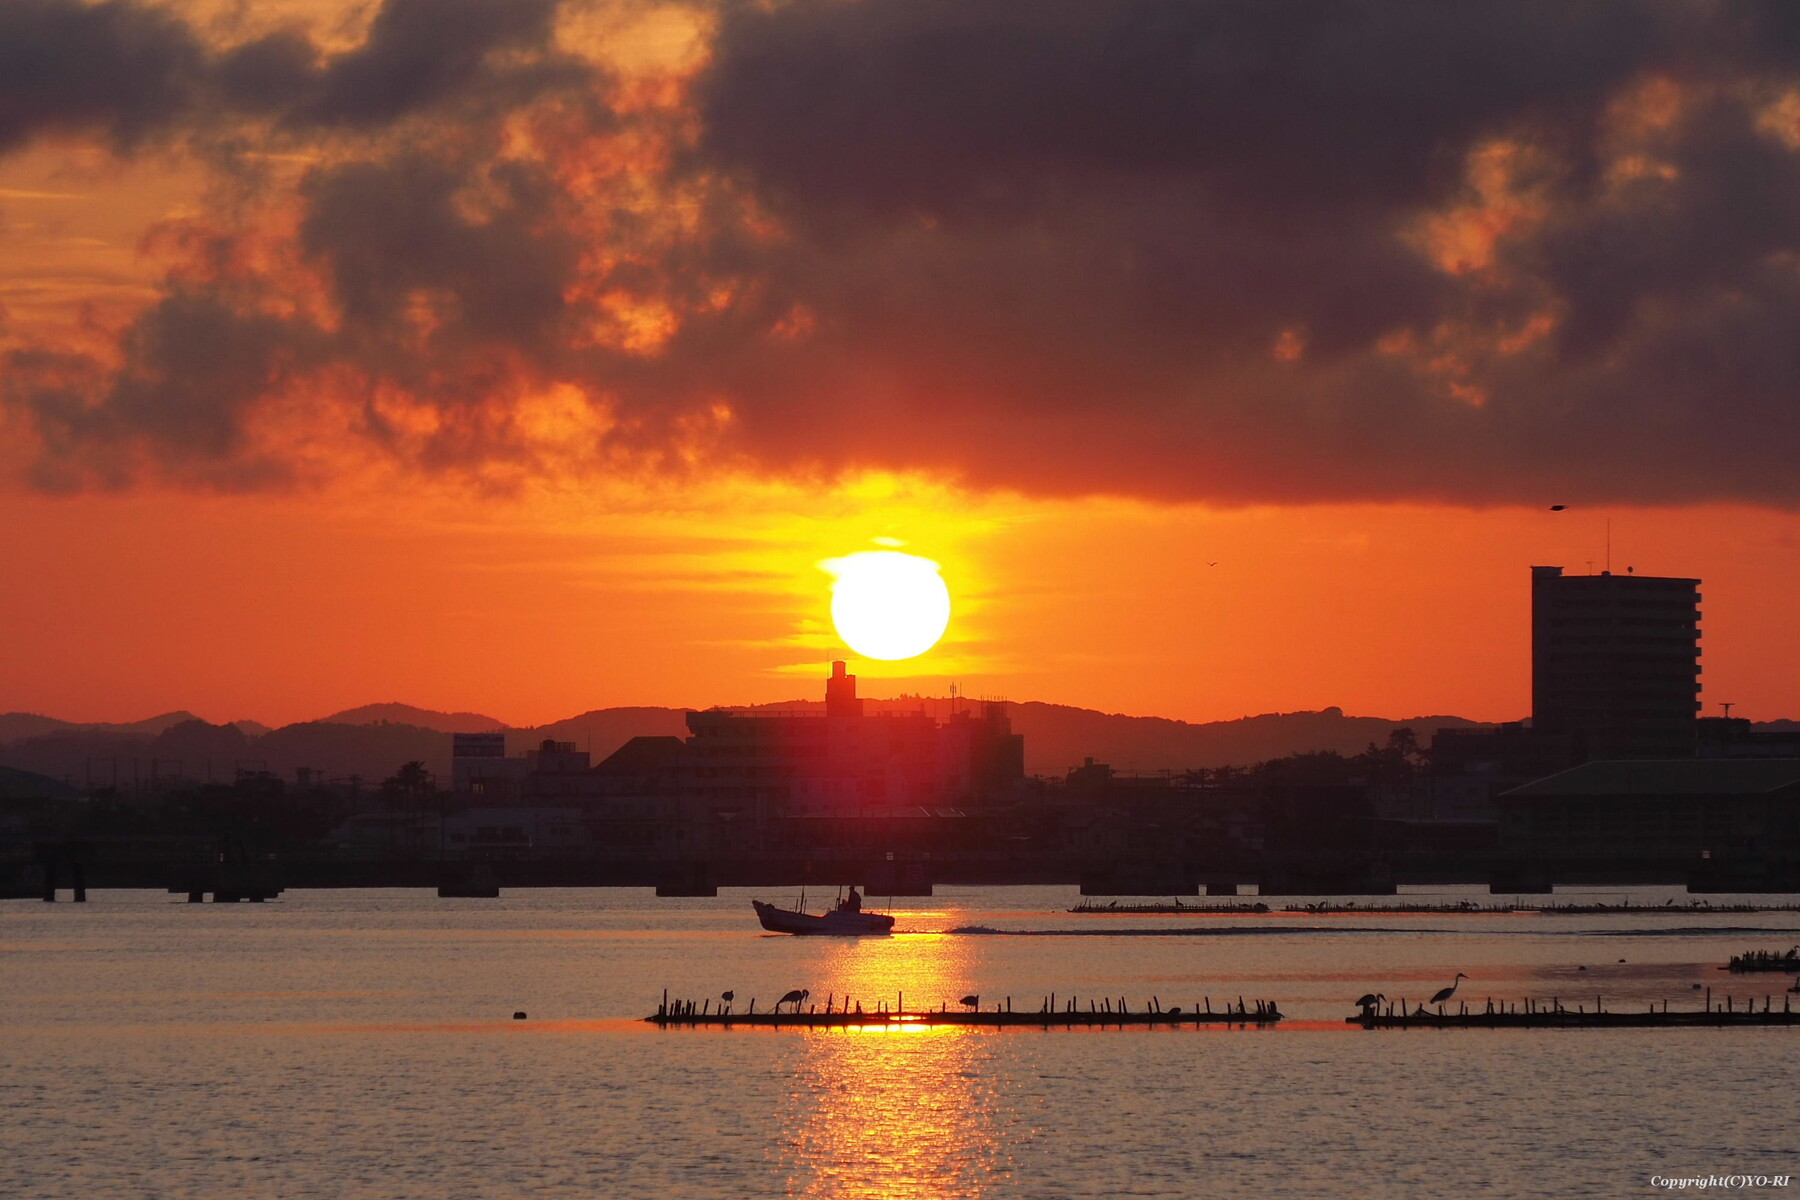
{"points": [[15, 725], [423, 718], [374, 740]]}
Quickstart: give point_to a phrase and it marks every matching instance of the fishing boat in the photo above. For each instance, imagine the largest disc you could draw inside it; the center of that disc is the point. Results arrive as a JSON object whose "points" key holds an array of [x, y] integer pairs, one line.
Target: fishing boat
{"points": [[846, 920]]}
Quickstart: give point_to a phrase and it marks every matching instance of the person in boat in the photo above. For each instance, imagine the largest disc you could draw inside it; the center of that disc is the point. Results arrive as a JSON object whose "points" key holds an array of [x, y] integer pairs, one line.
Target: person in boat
{"points": [[851, 903]]}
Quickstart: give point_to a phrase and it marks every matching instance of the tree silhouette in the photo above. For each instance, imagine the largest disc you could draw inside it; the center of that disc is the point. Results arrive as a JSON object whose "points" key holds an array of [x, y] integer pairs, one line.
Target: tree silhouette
{"points": [[411, 781]]}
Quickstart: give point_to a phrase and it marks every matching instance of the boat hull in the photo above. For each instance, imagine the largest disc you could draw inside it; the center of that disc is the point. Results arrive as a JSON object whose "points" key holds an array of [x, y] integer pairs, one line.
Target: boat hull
{"points": [[836, 923]]}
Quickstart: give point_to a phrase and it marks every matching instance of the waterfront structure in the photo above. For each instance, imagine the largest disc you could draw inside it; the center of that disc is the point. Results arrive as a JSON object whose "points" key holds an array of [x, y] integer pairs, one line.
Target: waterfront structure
{"points": [[1733, 821], [479, 767], [1615, 662], [843, 762]]}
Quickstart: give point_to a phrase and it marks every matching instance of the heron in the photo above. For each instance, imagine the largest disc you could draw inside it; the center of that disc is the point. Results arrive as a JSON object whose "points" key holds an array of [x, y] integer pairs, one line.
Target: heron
{"points": [[970, 1001], [794, 998], [1449, 991], [1369, 1000], [727, 997]]}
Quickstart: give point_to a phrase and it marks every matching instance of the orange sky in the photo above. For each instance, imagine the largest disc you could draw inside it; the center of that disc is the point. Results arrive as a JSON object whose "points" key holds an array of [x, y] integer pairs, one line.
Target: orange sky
{"points": [[284, 609], [530, 361]]}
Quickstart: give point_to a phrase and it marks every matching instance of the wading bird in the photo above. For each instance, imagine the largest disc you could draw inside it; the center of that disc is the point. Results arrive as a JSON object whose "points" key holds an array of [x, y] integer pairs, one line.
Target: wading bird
{"points": [[1369, 1001], [794, 998], [728, 997], [970, 1001], [1449, 991]]}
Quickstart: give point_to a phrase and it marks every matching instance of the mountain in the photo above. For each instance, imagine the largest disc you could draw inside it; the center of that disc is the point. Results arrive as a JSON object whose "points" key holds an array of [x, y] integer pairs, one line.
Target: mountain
{"points": [[423, 718], [374, 740], [1058, 737], [15, 725]]}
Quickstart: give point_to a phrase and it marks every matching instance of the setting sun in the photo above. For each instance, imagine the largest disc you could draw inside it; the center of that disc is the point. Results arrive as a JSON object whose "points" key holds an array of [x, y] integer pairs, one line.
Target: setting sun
{"points": [[888, 605]]}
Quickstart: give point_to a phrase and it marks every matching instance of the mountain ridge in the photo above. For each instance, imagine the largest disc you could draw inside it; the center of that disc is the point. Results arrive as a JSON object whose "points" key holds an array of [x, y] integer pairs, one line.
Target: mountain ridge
{"points": [[1057, 737]]}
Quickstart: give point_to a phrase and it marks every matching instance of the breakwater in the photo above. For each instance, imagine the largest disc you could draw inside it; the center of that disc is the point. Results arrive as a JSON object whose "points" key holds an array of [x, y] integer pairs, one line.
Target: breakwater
{"points": [[1052, 1011], [1554, 1014]]}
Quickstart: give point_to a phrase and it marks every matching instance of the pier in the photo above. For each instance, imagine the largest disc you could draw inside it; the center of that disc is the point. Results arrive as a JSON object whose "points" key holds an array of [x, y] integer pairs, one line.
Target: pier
{"points": [[1537, 1014], [1459, 908], [1053, 1012], [1765, 960]]}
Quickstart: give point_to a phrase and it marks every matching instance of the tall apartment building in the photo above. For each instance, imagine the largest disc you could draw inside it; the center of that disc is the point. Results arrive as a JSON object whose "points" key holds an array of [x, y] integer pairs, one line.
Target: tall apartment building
{"points": [[1615, 662]]}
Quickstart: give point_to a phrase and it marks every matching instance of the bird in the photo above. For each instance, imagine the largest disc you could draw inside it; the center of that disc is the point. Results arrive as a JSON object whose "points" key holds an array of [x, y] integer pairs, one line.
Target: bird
{"points": [[1449, 991], [1212, 564], [794, 998], [727, 997], [969, 1001], [1370, 1000], [1558, 507]]}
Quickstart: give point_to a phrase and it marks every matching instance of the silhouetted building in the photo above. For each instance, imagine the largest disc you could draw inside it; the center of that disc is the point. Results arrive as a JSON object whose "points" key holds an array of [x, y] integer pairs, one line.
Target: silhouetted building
{"points": [[840, 694], [1615, 662], [1735, 737], [1469, 767], [479, 767], [841, 762], [1735, 819]]}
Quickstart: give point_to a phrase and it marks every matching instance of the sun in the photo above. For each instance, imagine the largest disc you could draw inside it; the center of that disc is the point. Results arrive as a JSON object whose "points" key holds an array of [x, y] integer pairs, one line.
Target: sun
{"points": [[888, 605]]}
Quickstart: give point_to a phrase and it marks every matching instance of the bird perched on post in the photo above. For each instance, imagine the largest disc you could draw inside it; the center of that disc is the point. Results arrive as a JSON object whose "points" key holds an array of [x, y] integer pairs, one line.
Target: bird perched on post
{"points": [[1449, 991], [1368, 1002]]}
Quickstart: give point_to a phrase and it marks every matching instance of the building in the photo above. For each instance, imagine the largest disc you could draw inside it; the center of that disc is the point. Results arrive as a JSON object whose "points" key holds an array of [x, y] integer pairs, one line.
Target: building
{"points": [[842, 762], [1615, 663], [1730, 821], [480, 768]]}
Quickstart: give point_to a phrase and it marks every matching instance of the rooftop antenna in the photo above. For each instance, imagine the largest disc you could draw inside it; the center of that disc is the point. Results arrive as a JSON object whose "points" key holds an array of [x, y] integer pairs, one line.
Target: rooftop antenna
{"points": [[1609, 545], [1727, 707]]}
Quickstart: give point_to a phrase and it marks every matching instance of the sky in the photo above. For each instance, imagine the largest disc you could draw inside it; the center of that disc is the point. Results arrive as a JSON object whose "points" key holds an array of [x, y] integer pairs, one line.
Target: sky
{"points": [[530, 356]]}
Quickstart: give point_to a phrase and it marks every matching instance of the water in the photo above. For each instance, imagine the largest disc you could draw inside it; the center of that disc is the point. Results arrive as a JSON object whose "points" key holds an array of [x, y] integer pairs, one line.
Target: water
{"points": [[359, 1044]]}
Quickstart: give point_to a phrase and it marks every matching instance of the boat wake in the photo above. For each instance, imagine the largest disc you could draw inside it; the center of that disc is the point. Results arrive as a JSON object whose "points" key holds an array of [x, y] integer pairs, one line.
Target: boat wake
{"points": [[1214, 931]]}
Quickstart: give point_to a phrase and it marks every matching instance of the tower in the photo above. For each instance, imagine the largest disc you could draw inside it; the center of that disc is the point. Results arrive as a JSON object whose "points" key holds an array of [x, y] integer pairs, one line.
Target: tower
{"points": [[1615, 662], [840, 694]]}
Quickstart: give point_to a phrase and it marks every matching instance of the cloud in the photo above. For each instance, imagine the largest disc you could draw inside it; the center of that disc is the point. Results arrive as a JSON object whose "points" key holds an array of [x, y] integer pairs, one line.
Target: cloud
{"points": [[117, 68], [1176, 250]]}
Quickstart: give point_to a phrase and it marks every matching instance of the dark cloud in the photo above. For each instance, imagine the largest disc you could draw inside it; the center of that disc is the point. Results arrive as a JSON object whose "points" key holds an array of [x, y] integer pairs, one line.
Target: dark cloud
{"points": [[130, 70], [420, 51], [1172, 248], [1056, 246], [119, 68]]}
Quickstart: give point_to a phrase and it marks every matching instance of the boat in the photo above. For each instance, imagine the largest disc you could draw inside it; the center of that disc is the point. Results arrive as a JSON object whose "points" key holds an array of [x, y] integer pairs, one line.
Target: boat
{"points": [[846, 920]]}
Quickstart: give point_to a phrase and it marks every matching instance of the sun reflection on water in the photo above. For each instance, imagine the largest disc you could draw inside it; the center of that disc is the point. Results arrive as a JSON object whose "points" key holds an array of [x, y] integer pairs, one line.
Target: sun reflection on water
{"points": [[902, 1111]]}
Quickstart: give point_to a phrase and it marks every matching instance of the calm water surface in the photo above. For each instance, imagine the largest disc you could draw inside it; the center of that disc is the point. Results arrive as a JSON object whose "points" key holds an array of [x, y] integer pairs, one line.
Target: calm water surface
{"points": [[359, 1044]]}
